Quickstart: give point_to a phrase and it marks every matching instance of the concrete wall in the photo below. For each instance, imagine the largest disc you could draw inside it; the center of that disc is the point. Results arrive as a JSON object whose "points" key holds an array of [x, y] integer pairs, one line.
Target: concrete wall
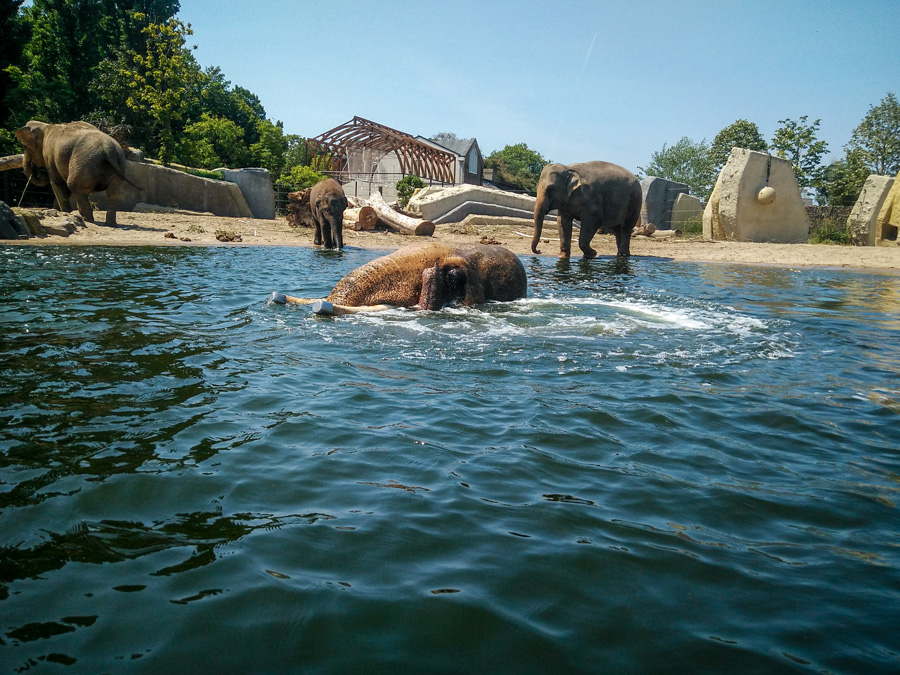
{"points": [[256, 186], [659, 197], [172, 188], [734, 212], [434, 203], [686, 208]]}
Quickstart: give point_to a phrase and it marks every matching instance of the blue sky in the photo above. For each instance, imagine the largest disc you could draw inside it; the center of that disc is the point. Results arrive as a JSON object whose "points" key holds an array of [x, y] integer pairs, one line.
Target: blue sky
{"points": [[575, 80]]}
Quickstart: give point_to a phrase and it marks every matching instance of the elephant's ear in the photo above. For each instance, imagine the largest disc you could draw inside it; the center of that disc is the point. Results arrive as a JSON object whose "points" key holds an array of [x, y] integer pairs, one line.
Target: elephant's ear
{"points": [[574, 182]]}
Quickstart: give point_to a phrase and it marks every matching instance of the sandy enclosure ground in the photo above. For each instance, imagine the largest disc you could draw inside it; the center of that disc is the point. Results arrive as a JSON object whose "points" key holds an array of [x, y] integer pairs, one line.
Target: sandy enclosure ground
{"points": [[150, 229]]}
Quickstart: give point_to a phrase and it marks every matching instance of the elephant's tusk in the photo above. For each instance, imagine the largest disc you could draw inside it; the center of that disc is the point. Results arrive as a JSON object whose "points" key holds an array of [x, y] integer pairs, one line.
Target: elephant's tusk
{"points": [[325, 308], [282, 299], [28, 182]]}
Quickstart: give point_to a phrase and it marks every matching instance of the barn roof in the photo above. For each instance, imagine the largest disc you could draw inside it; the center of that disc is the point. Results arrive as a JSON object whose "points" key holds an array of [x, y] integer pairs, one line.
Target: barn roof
{"points": [[416, 157]]}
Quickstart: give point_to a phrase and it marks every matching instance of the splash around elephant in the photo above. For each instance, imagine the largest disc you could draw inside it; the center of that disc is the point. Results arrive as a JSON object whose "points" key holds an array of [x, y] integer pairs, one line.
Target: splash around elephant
{"points": [[76, 159], [602, 196], [429, 275]]}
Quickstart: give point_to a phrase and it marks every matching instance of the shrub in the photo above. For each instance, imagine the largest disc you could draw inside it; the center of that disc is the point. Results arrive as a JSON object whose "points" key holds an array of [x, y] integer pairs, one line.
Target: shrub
{"points": [[406, 186], [830, 232], [301, 177]]}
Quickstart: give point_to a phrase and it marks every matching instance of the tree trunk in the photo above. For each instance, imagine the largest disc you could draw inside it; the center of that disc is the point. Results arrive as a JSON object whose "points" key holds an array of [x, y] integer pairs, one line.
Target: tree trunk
{"points": [[12, 162], [363, 218], [397, 221]]}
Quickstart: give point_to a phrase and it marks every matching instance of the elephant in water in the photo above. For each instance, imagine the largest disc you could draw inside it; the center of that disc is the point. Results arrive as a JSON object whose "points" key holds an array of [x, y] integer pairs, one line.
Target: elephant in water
{"points": [[429, 275], [602, 196], [76, 159]]}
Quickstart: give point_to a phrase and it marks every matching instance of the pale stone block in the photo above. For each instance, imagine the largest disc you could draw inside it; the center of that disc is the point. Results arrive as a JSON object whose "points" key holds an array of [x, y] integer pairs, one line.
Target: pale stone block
{"points": [[734, 211], [889, 217], [432, 203], [686, 208], [863, 221]]}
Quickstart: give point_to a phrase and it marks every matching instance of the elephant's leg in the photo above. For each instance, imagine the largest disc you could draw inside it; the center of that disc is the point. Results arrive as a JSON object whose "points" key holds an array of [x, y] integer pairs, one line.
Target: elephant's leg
{"points": [[84, 207], [565, 235], [317, 237], [623, 241], [63, 196], [584, 239]]}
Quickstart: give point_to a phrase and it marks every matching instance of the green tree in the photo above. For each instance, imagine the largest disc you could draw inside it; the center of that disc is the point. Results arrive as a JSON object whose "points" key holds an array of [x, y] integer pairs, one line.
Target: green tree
{"points": [[797, 142], [405, 188], [842, 181], [270, 150], [300, 177], [516, 166], [14, 30], [685, 162], [877, 138], [740, 134], [212, 142], [163, 83]]}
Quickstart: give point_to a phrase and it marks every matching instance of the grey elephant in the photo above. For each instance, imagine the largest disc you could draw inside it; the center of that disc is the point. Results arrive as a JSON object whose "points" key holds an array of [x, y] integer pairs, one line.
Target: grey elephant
{"points": [[601, 195], [327, 203], [430, 275], [76, 159]]}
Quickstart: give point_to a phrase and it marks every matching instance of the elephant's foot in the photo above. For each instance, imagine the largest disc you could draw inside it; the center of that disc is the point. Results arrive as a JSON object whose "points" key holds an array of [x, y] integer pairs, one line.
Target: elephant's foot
{"points": [[589, 253], [564, 254]]}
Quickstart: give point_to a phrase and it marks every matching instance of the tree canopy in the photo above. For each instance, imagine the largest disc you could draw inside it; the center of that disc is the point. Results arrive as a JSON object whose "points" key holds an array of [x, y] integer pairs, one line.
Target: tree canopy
{"points": [[740, 134], [797, 141], [877, 138], [516, 167], [685, 162]]}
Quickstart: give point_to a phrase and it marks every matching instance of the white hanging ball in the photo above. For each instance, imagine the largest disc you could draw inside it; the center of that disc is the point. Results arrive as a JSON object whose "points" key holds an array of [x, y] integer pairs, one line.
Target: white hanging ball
{"points": [[766, 195]]}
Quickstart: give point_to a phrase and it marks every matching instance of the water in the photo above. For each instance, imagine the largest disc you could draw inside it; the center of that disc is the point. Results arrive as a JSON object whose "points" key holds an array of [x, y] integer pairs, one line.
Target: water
{"points": [[643, 468]]}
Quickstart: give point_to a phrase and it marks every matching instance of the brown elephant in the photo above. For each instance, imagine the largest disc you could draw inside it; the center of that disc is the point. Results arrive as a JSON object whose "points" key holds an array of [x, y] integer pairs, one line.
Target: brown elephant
{"points": [[327, 203], [601, 195], [429, 275], [76, 159]]}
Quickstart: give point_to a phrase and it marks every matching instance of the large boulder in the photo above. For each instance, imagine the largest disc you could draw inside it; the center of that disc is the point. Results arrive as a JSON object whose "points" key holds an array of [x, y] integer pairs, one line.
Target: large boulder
{"points": [[256, 186], [659, 196], [889, 217], [11, 227], [863, 221], [756, 198]]}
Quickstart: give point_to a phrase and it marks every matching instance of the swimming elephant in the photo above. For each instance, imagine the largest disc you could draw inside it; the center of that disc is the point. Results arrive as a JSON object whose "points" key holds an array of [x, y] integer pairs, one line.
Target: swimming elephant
{"points": [[429, 275], [76, 159], [327, 203], [601, 195]]}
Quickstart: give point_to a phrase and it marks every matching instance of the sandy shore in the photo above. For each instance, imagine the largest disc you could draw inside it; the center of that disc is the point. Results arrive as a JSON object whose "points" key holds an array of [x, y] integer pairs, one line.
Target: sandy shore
{"points": [[151, 229]]}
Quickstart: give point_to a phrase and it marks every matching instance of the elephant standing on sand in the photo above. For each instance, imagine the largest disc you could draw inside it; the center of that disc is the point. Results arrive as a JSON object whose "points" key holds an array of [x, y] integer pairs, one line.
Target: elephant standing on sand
{"points": [[429, 275], [327, 203], [76, 159], [601, 195]]}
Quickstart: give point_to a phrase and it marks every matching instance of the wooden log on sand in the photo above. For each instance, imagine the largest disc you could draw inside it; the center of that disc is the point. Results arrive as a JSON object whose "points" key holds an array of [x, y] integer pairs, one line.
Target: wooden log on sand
{"points": [[397, 221], [12, 162], [363, 218]]}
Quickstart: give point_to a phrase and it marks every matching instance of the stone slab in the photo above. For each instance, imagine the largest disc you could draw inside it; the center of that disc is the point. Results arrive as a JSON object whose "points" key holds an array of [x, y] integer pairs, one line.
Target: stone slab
{"points": [[862, 224]]}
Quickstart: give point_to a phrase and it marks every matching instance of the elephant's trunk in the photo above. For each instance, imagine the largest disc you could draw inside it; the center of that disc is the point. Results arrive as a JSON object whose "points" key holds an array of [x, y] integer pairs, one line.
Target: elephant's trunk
{"points": [[541, 208]]}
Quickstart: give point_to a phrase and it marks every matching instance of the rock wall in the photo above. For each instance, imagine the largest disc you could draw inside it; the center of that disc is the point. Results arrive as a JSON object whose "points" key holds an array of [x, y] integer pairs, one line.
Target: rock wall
{"points": [[862, 224], [736, 212], [453, 204], [686, 208]]}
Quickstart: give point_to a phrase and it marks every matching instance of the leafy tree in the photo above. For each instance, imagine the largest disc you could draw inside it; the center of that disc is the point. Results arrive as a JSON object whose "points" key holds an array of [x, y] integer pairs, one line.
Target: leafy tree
{"points": [[300, 177], [797, 142], [297, 152], [740, 134], [405, 188], [212, 142], [877, 138], [15, 35], [516, 167], [842, 181], [163, 83], [685, 162], [270, 150]]}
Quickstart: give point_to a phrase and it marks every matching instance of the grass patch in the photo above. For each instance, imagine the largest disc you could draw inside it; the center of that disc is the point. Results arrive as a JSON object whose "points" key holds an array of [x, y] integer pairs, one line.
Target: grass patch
{"points": [[830, 232]]}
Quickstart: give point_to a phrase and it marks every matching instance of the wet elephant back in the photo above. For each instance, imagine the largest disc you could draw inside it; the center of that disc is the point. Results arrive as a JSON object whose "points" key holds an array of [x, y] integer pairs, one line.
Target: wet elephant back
{"points": [[394, 279]]}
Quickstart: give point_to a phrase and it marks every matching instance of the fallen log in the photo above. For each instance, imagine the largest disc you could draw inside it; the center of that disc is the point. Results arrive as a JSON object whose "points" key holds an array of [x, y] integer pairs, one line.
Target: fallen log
{"points": [[397, 221], [11, 162], [362, 218]]}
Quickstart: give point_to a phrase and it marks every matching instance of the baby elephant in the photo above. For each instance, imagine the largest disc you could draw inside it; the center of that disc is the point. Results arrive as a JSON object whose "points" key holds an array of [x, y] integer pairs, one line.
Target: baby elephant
{"points": [[327, 203], [429, 275]]}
